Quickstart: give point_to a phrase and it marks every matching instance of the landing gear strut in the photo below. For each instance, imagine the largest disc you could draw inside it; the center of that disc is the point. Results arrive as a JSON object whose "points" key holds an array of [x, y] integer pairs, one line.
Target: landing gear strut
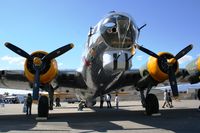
{"points": [[51, 97], [142, 98]]}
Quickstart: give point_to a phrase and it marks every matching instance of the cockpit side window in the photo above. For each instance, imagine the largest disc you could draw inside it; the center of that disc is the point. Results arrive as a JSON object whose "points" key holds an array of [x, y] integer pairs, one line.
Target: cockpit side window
{"points": [[109, 24]]}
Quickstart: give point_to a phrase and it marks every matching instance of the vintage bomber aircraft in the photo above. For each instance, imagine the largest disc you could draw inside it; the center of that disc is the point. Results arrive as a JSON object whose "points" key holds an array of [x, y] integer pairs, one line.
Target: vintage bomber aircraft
{"points": [[106, 67]]}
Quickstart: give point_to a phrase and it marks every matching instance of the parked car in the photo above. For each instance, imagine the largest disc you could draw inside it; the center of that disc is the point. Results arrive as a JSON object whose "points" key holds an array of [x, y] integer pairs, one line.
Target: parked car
{"points": [[71, 100], [11, 100]]}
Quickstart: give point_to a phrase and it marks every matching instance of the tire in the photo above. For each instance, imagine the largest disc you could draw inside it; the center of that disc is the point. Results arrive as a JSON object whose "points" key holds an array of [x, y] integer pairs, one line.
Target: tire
{"points": [[152, 105], [43, 107], [198, 94]]}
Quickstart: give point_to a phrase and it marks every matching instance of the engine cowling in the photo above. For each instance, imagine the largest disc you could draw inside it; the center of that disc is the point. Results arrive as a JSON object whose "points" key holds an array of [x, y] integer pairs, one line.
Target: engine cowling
{"points": [[156, 68], [48, 71], [194, 66]]}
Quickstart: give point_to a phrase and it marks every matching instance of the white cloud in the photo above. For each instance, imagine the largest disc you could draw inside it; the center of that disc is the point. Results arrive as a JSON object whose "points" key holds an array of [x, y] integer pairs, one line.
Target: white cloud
{"points": [[185, 59], [139, 57], [13, 60]]}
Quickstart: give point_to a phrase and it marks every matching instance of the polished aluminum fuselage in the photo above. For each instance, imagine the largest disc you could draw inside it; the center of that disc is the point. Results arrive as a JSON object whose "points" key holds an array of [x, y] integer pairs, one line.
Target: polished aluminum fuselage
{"points": [[104, 63]]}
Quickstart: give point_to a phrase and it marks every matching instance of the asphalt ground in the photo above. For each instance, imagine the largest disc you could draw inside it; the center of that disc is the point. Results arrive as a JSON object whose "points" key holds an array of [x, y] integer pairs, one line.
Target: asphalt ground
{"points": [[182, 118]]}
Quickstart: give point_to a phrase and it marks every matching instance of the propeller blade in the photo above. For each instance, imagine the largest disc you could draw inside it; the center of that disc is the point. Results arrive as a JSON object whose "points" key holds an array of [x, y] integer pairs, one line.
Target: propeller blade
{"points": [[58, 52], [18, 50], [184, 51], [173, 82], [148, 52], [36, 84]]}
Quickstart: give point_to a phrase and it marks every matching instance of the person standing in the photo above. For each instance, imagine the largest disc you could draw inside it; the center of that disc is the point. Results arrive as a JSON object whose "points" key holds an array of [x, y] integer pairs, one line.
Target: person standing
{"points": [[166, 99], [29, 101], [170, 99], [101, 101], [117, 101], [108, 100], [58, 102]]}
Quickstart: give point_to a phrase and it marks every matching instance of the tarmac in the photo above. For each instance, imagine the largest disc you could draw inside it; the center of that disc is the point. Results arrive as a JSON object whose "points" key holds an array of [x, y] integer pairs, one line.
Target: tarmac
{"points": [[130, 117]]}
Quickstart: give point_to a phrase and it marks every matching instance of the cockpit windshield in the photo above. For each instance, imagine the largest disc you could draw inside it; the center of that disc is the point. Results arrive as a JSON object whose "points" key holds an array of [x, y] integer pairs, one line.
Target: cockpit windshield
{"points": [[118, 30]]}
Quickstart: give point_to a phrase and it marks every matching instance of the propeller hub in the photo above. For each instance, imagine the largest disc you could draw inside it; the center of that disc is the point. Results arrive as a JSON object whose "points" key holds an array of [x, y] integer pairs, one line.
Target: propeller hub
{"points": [[171, 61], [37, 61]]}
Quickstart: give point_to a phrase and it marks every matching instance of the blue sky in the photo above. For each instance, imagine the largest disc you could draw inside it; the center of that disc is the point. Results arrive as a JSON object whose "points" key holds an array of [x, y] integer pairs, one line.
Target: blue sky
{"points": [[49, 24]]}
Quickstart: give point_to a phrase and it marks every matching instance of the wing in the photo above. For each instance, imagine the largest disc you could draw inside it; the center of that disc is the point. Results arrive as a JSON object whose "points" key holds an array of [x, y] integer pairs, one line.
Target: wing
{"points": [[128, 79], [184, 76], [133, 79], [15, 79], [188, 75], [70, 79]]}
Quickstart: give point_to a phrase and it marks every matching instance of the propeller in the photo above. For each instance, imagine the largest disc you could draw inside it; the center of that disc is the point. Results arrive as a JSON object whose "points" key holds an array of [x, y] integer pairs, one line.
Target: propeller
{"points": [[58, 52], [184, 51], [168, 65], [18, 50], [38, 63]]}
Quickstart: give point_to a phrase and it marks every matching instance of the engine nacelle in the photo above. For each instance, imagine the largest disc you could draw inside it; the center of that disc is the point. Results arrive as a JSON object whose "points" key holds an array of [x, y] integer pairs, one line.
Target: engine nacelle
{"points": [[157, 69], [193, 68], [48, 71]]}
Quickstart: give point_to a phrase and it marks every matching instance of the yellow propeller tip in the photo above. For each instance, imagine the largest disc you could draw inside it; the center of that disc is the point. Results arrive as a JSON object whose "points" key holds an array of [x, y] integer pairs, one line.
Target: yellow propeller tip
{"points": [[6, 44], [71, 45]]}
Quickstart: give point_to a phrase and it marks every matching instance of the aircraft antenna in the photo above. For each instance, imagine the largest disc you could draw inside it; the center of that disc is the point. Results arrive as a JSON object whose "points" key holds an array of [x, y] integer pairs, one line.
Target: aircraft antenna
{"points": [[139, 29]]}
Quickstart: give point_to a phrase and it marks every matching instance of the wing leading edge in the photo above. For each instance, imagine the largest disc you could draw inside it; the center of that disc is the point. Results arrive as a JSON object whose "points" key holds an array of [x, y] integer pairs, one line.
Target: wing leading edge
{"points": [[15, 79]]}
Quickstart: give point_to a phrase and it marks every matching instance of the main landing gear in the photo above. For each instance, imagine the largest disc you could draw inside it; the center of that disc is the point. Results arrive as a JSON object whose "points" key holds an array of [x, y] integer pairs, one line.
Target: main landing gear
{"points": [[46, 103], [150, 103], [43, 106]]}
